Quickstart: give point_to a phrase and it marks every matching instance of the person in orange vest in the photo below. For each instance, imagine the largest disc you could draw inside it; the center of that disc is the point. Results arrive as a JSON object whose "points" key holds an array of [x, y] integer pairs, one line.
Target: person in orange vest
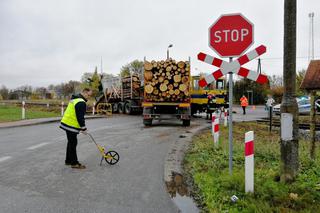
{"points": [[244, 103]]}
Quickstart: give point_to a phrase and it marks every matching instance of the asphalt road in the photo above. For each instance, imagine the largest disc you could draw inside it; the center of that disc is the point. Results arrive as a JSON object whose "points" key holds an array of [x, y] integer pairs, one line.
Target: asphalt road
{"points": [[33, 177]]}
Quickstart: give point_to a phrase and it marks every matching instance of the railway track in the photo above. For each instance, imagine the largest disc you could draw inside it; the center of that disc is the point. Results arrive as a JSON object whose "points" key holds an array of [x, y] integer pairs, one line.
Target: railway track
{"points": [[277, 123]]}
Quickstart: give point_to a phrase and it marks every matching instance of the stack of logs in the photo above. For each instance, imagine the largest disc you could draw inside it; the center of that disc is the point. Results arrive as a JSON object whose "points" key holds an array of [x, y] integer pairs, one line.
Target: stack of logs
{"points": [[167, 81], [126, 86]]}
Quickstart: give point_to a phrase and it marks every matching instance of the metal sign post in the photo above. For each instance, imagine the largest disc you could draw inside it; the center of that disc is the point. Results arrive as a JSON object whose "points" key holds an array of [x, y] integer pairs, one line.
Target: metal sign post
{"points": [[230, 120]]}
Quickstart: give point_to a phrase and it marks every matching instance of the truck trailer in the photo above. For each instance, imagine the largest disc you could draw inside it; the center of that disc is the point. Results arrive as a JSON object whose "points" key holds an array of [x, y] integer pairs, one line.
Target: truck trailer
{"points": [[166, 91]]}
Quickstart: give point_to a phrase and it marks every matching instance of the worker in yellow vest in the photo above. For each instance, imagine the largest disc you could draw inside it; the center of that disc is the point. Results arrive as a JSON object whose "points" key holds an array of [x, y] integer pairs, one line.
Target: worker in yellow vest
{"points": [[244, 103], [73, 123]]}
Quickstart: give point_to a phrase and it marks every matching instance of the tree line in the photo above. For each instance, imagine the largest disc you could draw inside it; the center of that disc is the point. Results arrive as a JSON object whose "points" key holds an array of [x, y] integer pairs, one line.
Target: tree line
{"points": [[93, 80], [66, 89]]}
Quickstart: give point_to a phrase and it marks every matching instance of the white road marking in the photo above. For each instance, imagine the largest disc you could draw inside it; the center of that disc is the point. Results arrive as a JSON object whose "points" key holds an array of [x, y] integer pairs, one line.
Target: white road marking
{"points": [[37, 146], [5, 158]]}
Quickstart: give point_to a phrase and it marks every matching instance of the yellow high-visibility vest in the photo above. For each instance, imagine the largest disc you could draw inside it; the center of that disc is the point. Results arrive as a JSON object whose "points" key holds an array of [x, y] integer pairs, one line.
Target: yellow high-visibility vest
{"points": [[69, 117]]}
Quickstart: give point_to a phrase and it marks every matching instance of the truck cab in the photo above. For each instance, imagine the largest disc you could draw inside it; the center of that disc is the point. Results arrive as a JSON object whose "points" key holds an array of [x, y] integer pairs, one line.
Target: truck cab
{"points": [[199, 95]]}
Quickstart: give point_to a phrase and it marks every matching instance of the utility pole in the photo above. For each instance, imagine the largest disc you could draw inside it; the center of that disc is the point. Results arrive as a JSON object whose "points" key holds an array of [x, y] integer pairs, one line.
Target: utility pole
{"points": [[289, 144], [312, 93], [311, 38], [101, 70]]}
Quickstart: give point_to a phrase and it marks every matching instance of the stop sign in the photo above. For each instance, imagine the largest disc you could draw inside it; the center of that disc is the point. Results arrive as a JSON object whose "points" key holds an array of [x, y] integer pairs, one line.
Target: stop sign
{"points": [[231, 35]]}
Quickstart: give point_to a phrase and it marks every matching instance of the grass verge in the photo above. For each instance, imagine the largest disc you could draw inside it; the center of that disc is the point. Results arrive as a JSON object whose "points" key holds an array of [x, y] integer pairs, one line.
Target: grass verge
{"points": [[208, 169], [13, 113]]}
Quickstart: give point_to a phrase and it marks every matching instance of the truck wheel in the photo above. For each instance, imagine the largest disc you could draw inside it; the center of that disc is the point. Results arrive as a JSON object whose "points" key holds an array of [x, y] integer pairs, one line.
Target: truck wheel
{"points": [[120, 108], [114, 107], [186, 122], [127, 108], [147, 122]]}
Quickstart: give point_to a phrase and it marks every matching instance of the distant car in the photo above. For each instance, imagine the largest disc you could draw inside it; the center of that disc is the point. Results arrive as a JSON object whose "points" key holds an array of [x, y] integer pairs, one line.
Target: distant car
{"points": [[304, 106]]}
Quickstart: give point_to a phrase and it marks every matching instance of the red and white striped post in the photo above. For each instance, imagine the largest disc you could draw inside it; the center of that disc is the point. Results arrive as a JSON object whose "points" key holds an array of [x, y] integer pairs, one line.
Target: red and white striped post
{"points": [[23, 110], [215, 128], [62, 110], [249, 161], [225, 117], [93, 108]]}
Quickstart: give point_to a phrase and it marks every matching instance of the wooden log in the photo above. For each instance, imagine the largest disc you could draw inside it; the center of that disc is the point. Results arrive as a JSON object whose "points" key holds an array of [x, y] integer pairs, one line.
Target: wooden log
{"points": [[175, 84], [148, 66], [148, 88], [176, 92], [177, 78], [166, 82], [161, 79], [155, 92], [181, 64], [170, 87], [185, 79], [168, 68], [163, 87], [182, 87], [148, 75], [155, 64]]}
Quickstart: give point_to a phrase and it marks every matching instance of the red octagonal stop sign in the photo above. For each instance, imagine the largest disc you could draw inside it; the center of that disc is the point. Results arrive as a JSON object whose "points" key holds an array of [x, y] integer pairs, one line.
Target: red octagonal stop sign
{"points": [[231, 35]]}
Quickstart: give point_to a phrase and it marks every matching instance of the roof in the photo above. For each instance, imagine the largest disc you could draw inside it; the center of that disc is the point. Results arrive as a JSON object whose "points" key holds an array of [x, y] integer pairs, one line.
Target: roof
{"points": [[311, 80]]}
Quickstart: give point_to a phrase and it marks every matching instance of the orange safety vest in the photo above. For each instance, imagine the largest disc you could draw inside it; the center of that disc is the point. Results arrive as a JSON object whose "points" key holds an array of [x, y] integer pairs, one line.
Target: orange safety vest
{"points": [[244, 101]]}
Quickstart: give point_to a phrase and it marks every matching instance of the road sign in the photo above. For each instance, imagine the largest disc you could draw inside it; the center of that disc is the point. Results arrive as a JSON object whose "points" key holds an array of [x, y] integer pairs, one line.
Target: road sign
{"points": [[231, 35], [234, 66]]}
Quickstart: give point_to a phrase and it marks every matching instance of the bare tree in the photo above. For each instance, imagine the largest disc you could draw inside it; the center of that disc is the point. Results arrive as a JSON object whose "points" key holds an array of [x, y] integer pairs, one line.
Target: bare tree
{"points": [[4, 92]]}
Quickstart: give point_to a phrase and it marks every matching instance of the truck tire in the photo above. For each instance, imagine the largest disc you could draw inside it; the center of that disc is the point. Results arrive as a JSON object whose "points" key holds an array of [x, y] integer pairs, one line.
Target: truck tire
{"points": [[186, 122], [127, 108], [193, 109], [120, 108], [114, 108], [147, 122]]}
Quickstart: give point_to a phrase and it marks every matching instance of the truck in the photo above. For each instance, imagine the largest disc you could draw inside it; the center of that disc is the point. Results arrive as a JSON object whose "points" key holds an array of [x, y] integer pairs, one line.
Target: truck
{"points": [[122, 94], [166, 91], [199, 95]]}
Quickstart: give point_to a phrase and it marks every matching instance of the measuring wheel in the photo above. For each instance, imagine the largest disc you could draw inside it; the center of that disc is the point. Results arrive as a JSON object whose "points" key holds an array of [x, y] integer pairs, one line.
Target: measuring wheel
{"points": [[112, 157]]}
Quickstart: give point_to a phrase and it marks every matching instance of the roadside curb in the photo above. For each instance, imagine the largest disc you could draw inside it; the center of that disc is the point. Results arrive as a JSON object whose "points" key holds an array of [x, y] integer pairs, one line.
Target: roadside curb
{"points": [[31, 122], [174, 158]]}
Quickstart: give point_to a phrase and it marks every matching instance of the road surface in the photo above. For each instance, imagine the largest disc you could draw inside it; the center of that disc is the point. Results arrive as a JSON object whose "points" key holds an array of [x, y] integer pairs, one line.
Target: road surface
{"points": [[33, 177]]}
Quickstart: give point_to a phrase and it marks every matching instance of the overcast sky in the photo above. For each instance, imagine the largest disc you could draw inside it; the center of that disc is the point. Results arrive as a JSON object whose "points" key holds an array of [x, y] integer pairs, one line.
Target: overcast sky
{"points": [[46, 42]]}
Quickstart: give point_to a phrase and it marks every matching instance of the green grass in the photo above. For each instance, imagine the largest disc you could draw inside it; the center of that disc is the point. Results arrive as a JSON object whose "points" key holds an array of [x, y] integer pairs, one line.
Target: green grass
{"points": [[213, 186], [13, 113]]}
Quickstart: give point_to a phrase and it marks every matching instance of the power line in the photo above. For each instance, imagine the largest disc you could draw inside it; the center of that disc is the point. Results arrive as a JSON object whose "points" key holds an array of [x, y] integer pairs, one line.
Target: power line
{"points": [[280, 58]]}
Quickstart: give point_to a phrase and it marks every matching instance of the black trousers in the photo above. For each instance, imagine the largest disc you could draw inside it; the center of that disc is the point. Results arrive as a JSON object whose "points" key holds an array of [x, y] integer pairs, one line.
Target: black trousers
{"points": [[244, 110], [71, 154]]}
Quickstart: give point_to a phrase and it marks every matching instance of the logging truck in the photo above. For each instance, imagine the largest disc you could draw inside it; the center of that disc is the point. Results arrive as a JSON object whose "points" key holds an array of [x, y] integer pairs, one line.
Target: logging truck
{"points": [[199, 95], [124, 94], [166, 91]]}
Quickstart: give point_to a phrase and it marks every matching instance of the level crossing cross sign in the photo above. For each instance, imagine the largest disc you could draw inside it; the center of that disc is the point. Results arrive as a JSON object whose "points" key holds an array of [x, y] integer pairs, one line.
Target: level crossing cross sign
{"points": [[233, 66]]}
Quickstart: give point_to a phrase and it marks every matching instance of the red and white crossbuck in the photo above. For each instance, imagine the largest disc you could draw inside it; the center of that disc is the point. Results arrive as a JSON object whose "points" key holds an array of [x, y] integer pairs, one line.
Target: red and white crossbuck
{"points": [[233, 66]]}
